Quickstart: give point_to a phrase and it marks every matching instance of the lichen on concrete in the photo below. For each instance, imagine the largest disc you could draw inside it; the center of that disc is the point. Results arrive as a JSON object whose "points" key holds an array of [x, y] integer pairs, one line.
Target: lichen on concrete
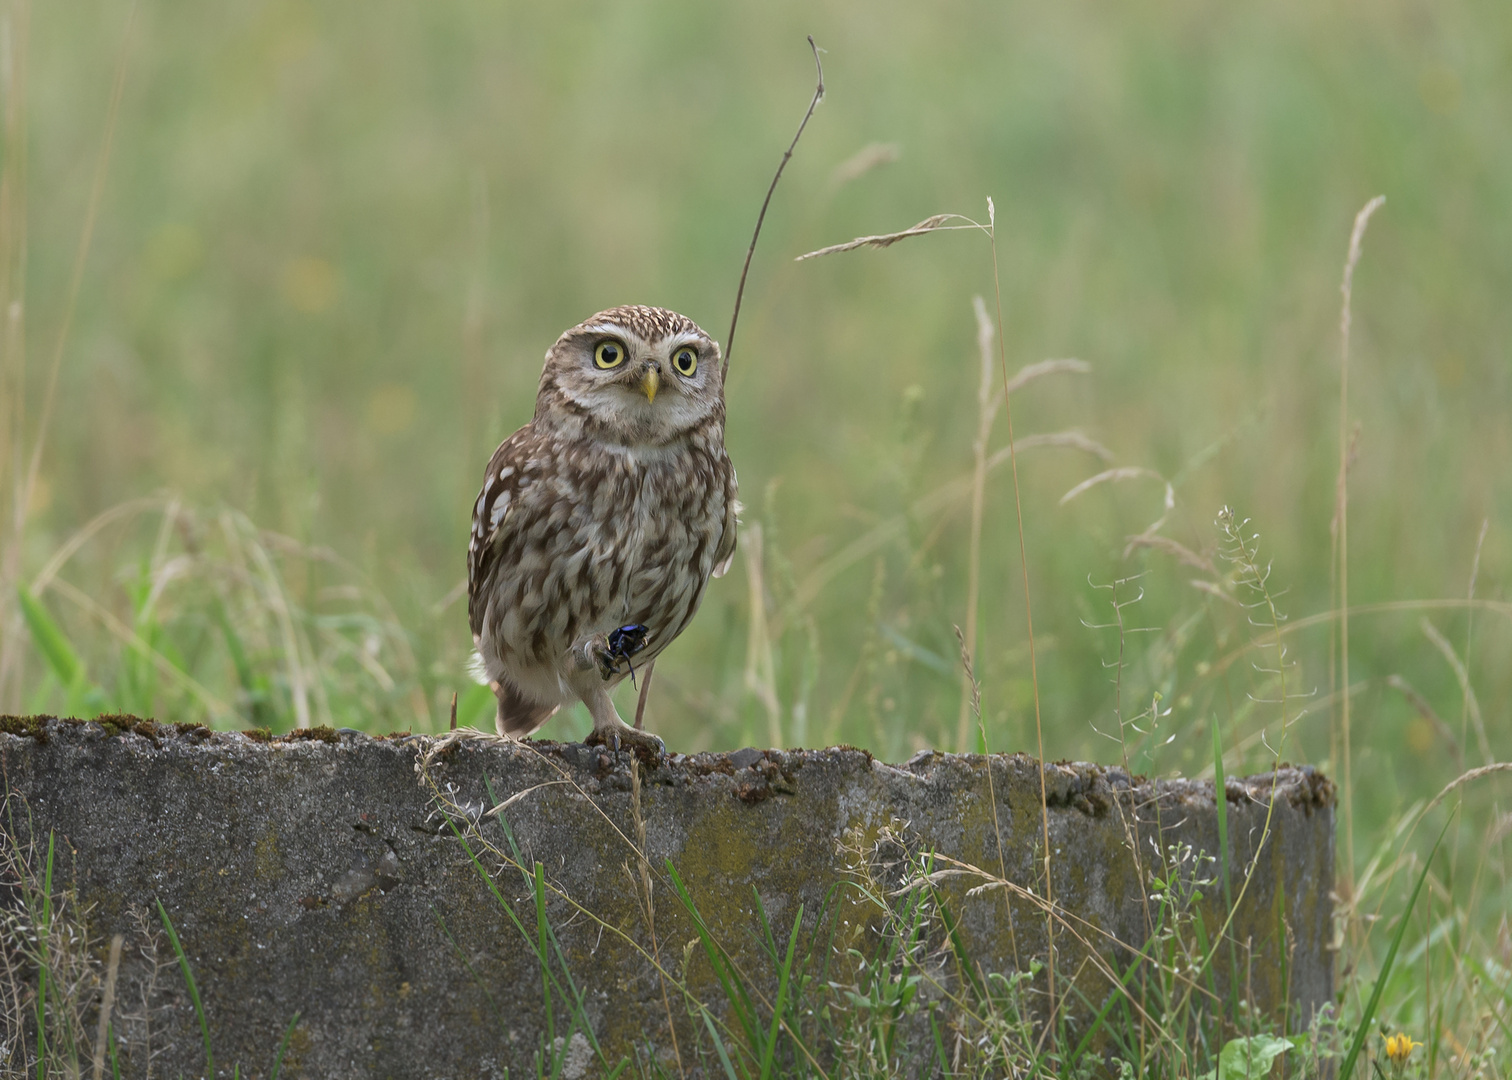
{"points": [[324, 874]]}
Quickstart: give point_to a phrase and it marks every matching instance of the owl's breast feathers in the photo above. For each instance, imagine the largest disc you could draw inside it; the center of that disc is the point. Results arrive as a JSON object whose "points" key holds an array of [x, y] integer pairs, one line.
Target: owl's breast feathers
{"points": [[570, 535]]}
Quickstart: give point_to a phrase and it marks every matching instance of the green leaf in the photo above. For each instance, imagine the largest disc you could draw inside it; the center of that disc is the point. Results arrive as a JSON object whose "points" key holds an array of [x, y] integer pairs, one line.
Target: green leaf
{"points": [[1249, 1058]]}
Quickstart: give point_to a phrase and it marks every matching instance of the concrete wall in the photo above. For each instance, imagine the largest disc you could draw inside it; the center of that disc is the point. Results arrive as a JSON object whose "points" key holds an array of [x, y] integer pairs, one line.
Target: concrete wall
{"points": [[319, 875]]}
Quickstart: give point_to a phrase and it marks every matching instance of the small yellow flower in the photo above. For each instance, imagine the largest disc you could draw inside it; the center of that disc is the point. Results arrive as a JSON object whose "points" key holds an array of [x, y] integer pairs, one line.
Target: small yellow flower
{"points": [[1399, 1048]]}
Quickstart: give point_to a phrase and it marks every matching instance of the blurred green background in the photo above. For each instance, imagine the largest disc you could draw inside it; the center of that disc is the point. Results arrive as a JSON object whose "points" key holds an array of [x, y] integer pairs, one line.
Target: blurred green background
{"points": [[334, 241]]}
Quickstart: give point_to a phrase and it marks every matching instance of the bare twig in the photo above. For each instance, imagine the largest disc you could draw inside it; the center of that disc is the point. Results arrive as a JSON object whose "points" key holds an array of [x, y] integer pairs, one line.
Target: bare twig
{"points": [[761, 217], [645, 692]]}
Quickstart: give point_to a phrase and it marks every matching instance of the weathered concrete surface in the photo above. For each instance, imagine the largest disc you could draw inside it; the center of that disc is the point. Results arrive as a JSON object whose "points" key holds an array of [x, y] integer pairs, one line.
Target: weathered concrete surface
{"points": [[318, 875]]}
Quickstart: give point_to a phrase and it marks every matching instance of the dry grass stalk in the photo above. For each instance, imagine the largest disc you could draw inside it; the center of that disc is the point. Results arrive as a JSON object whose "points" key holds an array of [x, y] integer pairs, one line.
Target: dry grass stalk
{"points": [[1341, 513], [1131, 472], [107, 1003], [974, 701], [987, 406], [934, 223], [1467, 691]]}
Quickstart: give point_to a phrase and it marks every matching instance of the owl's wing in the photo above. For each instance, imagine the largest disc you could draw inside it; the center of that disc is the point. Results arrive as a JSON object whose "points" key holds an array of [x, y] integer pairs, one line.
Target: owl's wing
{"points": [[496, 517], [724, 554]]}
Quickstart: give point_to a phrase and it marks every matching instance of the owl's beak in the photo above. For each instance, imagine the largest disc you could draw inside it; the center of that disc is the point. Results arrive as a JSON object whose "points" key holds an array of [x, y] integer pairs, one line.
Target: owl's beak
{"points": [[650, 381]]}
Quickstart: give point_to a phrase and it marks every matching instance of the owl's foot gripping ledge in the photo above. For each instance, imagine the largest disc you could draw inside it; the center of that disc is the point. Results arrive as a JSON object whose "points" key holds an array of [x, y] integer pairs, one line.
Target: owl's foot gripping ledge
{"points": [[644, 745], [609, 730]]}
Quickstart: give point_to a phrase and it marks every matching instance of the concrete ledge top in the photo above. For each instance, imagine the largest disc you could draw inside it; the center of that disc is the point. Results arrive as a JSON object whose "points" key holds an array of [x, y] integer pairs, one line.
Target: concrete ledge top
{"points": [[751, 773]]}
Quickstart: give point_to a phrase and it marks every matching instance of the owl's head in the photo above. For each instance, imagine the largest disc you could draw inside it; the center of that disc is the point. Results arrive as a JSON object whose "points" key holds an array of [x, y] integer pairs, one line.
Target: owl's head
{"points": [[634, 375]]}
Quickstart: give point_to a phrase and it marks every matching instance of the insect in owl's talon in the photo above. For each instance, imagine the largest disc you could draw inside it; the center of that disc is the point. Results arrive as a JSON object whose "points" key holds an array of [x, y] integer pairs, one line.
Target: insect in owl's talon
{"points": [[621, 644]]}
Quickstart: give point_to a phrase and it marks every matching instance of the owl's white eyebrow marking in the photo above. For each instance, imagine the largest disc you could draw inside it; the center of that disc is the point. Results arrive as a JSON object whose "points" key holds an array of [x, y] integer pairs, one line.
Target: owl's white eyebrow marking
{"points": [[670, 345]]}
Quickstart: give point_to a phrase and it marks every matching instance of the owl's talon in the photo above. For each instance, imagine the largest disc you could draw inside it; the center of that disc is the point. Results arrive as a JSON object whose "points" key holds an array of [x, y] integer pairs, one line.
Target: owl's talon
{"points": [[644, 745]]}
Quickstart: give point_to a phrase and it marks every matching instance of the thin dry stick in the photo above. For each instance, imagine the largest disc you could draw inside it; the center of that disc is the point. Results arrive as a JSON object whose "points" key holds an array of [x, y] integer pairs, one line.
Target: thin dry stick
{"points": [[761, 217], [1018, 507], [645, 692], [107, 1003], [1341, 511], [986, 410]]}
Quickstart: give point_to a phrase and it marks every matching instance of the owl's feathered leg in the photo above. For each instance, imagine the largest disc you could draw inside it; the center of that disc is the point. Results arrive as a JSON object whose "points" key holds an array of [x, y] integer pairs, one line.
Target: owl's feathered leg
{"points": [[584, 672], [609, 730]]}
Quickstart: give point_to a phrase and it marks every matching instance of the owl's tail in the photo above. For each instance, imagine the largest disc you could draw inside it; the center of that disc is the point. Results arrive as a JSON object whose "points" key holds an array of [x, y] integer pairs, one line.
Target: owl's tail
{"points": [[519, 715]]}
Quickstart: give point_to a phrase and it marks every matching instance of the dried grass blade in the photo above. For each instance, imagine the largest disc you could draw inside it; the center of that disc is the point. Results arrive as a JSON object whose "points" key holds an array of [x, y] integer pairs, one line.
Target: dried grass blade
{"points": [[935, 223], [1029, 372], [1108, 476]]}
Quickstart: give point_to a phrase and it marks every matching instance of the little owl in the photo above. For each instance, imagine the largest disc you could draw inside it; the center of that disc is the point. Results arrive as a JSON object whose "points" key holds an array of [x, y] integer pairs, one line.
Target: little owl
{"points": [[601, 520]]}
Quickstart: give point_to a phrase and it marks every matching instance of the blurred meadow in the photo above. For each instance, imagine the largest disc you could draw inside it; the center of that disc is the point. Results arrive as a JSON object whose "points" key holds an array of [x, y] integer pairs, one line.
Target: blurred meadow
{"points": [[309, 288]]}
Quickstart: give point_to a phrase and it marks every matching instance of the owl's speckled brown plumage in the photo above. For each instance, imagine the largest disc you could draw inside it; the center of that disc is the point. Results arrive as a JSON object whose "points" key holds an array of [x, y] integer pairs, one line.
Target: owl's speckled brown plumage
{"points": [[612, 507]]}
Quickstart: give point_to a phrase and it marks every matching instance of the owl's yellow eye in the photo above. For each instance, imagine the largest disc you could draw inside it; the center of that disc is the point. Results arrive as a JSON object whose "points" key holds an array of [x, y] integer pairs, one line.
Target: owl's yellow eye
{"points": [[685, 360], [609, 354]]}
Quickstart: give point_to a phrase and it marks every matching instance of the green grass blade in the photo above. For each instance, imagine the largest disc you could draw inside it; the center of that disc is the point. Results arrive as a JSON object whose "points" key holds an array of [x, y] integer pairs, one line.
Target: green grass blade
{"points": [[729, 981], [939, 1043], [1363, 1032], [958, 947], [50, 639], [783, 979], [543, 953], [1116, 995], [571, 993], [283, 1047], [199, 1009], [719, 1046]]}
